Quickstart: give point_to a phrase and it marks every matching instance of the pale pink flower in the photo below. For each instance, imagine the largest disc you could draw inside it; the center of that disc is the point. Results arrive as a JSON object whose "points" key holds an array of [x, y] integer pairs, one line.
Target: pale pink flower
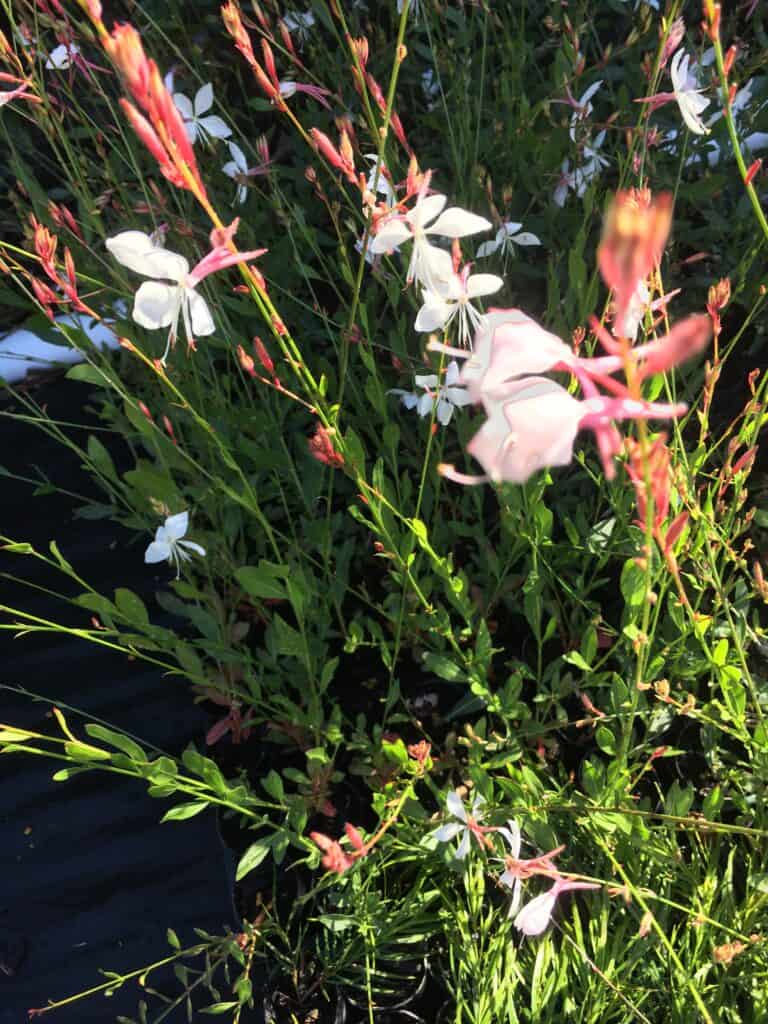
{"points": [[288, 89], [533, 424], [536, 915]]}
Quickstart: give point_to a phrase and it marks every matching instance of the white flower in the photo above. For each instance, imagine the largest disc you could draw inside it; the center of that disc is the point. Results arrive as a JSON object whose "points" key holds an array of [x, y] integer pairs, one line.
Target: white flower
{"points": [[466, 824], [508, 235], [688, 97], [584, 108], [237, 167], [157, 303], [448, 396], [578, 179], [61, 57], [168, 544], [195, 124], [429, 265], [536, 914], [379, 175], [453, 301], [299, 24], [509, 878]]}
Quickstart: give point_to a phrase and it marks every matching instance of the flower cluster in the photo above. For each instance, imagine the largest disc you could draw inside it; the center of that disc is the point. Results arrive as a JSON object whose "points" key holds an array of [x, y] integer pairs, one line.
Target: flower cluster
{"points": [[532, 421], [533, 918]]}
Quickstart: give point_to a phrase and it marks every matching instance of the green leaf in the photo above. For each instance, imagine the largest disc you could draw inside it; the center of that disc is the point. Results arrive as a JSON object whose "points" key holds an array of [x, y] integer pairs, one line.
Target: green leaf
{"points": [[88, 374], [273, 784], [289, 640], [173, 939], [633, 583], [216, 1009], [85, 752], [444, 668], [116, 739], [184, 811], [131, 606], [259, 582], [101, 459], [252, 857]]}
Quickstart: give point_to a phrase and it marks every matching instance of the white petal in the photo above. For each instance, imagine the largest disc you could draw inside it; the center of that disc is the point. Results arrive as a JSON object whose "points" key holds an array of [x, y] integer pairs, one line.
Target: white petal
{"points": [[526, 238], [192, 546], [184, 105], [455, 805], [508, 228], [447, 832], [157, 552], [425, 210], [433, 314], [176, 526], [535, 916], [409, 400], [162, 263], [486, 249], [452, 373], [215, 127], [426, 380], [200, 315], [444, 411], [458, 396], [590, 93], [156, 305], [390, 237], [203, 99], [190, 127], [457, 223], [424, 405], [483, 284], [463, 849], [130, 248]]}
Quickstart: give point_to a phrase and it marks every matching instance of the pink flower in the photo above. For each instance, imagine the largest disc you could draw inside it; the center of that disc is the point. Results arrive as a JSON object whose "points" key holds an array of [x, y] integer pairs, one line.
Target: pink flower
{"points": [[533, 424], [536, 915]]}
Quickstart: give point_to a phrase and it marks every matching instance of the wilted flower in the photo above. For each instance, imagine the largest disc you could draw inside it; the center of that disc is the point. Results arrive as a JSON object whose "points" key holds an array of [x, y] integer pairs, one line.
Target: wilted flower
{"points": [[168, 544], [236, 168], [448, 397], [507, 237], [299, 23], [467, 825]]}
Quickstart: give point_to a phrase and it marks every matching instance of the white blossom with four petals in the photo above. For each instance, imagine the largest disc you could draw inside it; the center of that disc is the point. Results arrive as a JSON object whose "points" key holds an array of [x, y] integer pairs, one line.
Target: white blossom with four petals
{"points": [[169, 294], [452, 301], [429, 265], [192, 111], [507, 237], [169, 546], [448, 396], [462, 826]]}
